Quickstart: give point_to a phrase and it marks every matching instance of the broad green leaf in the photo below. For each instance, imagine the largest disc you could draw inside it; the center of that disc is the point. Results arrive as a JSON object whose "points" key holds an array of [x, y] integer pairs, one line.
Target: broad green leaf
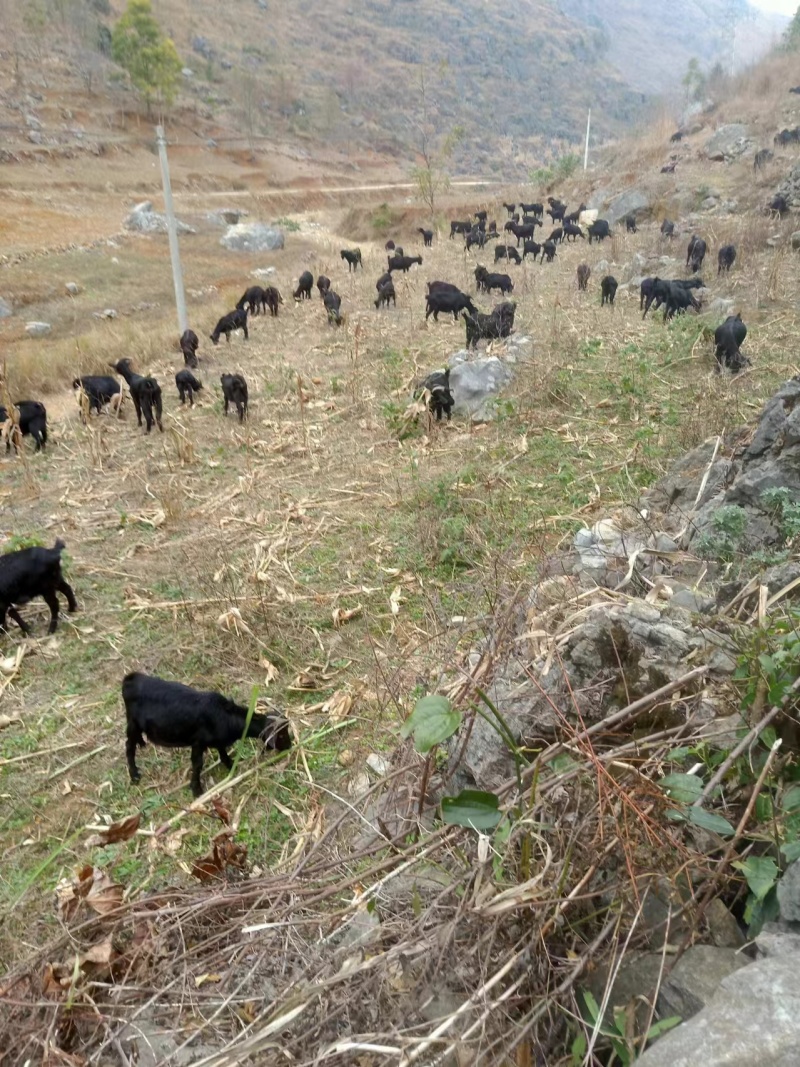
{"points": [[760, 872], [678, 754], [472, 808], [790, 801], [683, 788], [791, 851], [676, 814], [591, 1005], [768, 736], [578, 1050], [432, 721], [707, 820], [661, 1027], [759, 912]]}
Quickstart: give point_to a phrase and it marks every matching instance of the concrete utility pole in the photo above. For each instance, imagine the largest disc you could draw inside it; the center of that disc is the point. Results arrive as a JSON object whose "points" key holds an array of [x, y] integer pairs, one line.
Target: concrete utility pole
{"points": [[586, 149], [172, 230]]}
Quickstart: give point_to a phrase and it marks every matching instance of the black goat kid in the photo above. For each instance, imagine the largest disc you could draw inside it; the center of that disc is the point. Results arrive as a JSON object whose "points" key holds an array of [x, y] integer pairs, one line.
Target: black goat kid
{"points": [[145, 394], [177, 716], [32, 572], [234, 391]]}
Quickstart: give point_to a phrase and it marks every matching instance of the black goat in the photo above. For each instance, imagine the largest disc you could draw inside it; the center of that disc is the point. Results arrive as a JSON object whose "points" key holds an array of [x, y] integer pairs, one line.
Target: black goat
{"points": [[510, 208], [234, 391], [353, 258], [145, 393], [696, 253], [234, 320], [728, 340], [28, 573], [548, 252], [507, 252], [677, 136], [189, 343], [490, 327], [573, 231], [599, 230], [323, 284], [584, 274], [726, 257], [656, 291], [531, 248], [630, 224], [779, 205], [304, 283], [333, 304], [389, 246], [557, 236], [386, 293], [523, 232], [427, 236], [272, 300], [460, 227], [187, 385], [449, 300], [786, 137], [533, 209], [497, 281], [481, 216], [667, 228], [177, 716], [252, 299], [441, 400], [100, 389], [31, 421], [762, 157], [678, 299], [403, 263], [608, 289], [475, 237]]}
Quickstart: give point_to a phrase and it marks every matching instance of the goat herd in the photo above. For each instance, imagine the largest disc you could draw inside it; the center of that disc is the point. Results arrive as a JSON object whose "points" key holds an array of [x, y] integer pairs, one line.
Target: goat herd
{"points": [[174, 715]]}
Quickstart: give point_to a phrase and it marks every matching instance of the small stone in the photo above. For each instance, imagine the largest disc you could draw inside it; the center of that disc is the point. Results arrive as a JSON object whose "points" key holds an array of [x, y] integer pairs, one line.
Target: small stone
{"points": [[37, 329], [358, 784], [796, 240], [664, 543], [72, 288], [346, 758], [115, 261], [377, 764]]}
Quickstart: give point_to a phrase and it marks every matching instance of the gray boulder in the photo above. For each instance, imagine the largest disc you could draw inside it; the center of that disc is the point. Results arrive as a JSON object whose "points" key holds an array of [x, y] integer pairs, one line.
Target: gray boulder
{"points": [[695, 979], [143, 219], [753, 1018], [5, 309], [227, 216], [253, 237], [475, 385], [629, 202], [37, 329], [789, 894], [796, 240], [729, 142]]}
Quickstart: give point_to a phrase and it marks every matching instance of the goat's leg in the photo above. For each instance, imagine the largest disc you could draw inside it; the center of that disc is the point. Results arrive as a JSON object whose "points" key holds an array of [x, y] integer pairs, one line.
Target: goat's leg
{"points": [[225, 759], [51, 600], [134, 738], [197, 769], [138, 406], [66, 590], [18, 619]]}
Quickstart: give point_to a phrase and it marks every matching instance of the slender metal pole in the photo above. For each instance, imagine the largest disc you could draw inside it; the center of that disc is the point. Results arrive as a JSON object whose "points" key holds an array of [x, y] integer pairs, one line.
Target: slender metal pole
{"points": [[586, 149], [172, 230]]}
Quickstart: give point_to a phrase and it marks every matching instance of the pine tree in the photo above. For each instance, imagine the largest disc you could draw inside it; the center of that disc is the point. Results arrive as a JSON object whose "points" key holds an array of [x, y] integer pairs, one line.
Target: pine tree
{"points": [[150, 58]]}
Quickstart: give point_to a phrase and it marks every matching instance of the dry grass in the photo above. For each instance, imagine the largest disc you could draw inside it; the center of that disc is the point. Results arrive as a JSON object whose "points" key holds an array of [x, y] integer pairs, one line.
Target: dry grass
{"points": [[218, 554]]}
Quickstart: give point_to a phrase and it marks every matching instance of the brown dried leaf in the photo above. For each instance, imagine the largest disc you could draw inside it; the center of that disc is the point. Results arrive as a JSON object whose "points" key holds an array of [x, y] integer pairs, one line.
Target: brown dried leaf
{"points": [[270, 668], [206, 869], [100, 955], [338, 706], [395, 600], [313, 677], [341, 616], [104, 895], [123, 830], [53, 980], [202, 979], [232, 621], [223, 813], [7, 720]]}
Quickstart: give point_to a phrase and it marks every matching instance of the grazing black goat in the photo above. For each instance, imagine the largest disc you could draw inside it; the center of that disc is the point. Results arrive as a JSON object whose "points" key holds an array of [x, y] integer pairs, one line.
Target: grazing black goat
{"points": [[557, 210], [481, 216], [726, 257], [696, 253], [32, 572], [557, 236], [584, 274], [234, 391], [630, 224], [507, 252], [441, 399], [475, 237], [30, 421], [187, 385], [234, 320], [533, 209], [678, 299], [599, 230], [728, 340], [497, 281], [762, 157], [460, 227], [386, 293], [575, 215], [177, 716], [677, 136], [548, 252], [491, 327], [656, 291], [427, 236], [573, 231], [403, 263], [608, 289], [252, 299], [100, 389], [667, 228], [510, 208], [323, 284], [522, 232], [530, 248], [779, 205], [786, 137], [389, 246], [304, 283], [145, 394], [333, 304], [353, 257], [272, 300], [444, 297], [189, 343]]}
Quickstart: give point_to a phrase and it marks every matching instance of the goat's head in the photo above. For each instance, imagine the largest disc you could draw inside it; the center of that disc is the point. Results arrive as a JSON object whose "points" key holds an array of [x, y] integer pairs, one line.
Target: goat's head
{"points": [[276, 734]]}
